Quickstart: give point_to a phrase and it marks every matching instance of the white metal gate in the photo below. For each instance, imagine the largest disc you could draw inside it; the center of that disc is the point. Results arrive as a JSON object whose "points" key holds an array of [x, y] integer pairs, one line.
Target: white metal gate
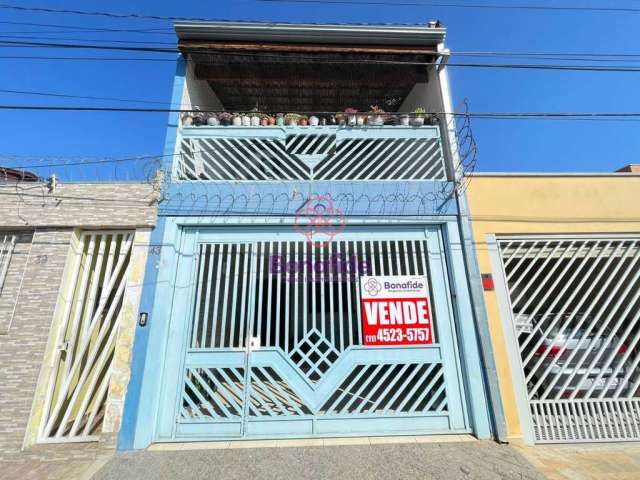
{"points": [[84, 346], [575, 305]]}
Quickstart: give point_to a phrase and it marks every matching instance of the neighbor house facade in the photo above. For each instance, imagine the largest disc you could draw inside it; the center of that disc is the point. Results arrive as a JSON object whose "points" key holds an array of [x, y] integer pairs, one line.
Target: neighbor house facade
{"points": [[72, 258], [310, 270], [559, 255]]}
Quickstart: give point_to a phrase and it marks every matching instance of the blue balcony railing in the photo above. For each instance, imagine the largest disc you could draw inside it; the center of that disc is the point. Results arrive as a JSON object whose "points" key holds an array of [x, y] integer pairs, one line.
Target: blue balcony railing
{"points": [[318, 153]]}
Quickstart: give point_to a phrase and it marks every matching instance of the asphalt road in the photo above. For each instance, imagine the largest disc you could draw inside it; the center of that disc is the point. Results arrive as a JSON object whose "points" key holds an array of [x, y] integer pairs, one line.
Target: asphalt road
{"points": [[480, 460]]}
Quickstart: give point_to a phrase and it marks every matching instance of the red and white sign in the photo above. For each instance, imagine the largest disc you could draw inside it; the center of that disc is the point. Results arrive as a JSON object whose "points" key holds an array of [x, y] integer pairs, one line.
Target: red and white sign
{"points": [[395, 310]]}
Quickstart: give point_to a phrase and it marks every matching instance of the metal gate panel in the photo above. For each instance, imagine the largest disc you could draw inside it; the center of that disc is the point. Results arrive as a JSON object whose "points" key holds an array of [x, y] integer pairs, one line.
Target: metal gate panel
{"points": [[575, 305], [90, 318], [273, 349]]}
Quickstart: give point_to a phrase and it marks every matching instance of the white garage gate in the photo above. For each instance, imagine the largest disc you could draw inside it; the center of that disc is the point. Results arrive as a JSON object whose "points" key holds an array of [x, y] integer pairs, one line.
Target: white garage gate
{"points": [[574, 308]]}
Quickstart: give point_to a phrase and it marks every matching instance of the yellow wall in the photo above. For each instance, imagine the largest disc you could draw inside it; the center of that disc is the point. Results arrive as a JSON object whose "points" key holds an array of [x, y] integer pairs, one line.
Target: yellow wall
{"points": [[546, 204]]}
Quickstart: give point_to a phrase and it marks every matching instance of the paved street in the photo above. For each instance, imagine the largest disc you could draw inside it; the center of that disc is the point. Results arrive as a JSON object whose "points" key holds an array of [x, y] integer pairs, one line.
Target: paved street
{"points": [[370, 459]]}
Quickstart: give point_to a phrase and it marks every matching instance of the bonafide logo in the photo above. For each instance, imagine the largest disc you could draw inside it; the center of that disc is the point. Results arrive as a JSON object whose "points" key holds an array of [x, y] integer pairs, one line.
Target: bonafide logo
{"points": [[319, 220], [372, 287]]}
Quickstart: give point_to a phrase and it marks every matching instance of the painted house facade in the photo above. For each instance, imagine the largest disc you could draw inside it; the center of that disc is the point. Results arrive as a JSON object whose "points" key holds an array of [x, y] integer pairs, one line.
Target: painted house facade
{"points": [[310, 275], [559, 256]]}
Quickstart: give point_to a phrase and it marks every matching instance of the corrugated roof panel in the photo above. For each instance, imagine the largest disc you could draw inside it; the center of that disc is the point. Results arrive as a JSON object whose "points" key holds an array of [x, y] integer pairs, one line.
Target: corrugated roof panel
{"points": [[352, 33]]}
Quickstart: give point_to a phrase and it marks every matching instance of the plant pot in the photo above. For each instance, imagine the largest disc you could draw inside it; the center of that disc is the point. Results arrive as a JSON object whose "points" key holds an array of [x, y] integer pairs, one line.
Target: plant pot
{"points": [[352, 120], [246, 121], [236, 121], [255, 121], [292, 122], [280, 121], [304, 122], [187, 121], [264, 122], [314, 121], [271, 121], [376, 120], [403, 120], [417, 121], [213, 121], [360, 120]]}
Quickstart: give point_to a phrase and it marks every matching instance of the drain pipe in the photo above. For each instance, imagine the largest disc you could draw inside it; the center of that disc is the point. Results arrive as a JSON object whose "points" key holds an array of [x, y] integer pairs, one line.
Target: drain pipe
{"points": [[474, 281]]}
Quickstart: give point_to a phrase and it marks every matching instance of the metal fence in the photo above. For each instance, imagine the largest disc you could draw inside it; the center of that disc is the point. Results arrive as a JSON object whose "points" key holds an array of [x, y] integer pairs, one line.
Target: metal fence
{"points": [[320, 153]]}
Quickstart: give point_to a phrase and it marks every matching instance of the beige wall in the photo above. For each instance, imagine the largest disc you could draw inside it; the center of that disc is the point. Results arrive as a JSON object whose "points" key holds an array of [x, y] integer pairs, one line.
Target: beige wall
{"points": [[544, 204]]}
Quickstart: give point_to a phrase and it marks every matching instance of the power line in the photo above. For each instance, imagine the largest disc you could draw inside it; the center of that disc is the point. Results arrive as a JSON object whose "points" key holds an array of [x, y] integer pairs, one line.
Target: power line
{"points": [[134, 16], [10, 43], [156, 31], [462, 5], [85, 97], [137, 16], [99, 59], [32, 37], [499, 115], [588, 68]]}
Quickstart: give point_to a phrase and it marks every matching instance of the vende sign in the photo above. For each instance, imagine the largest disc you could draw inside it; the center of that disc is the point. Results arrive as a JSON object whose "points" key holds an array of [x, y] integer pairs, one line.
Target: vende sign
{"points": [[395, 310]]}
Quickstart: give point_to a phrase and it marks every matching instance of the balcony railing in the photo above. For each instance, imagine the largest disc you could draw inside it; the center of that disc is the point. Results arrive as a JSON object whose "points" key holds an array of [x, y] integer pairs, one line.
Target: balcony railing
{"points": [[295, 153]]}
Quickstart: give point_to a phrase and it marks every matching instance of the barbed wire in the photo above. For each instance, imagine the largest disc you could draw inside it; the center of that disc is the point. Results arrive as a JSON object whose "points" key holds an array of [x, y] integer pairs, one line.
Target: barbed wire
{"points": [[237, 198], [467, 149]]}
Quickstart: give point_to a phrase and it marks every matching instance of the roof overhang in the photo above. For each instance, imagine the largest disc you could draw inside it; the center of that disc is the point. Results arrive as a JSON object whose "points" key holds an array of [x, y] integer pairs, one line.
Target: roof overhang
{"points": [[405, 35]]}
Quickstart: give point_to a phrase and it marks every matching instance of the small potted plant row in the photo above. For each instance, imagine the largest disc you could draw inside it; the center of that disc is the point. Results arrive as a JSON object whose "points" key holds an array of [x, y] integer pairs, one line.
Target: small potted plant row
{"points": [[350, 117]]}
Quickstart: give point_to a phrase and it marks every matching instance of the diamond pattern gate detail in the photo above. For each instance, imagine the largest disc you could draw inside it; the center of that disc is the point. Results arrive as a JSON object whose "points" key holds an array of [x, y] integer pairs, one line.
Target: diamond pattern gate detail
{"points": [[276, 349], [575, 305]]}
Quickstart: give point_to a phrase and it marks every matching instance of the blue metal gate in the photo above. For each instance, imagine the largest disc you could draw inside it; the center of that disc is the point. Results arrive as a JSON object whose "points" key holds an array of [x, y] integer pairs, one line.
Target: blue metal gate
{"points": [[266, 339]]}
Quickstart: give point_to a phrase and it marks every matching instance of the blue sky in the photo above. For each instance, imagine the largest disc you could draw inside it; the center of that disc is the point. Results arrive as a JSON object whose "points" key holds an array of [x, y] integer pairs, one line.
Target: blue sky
{"points": [[534, 145]]}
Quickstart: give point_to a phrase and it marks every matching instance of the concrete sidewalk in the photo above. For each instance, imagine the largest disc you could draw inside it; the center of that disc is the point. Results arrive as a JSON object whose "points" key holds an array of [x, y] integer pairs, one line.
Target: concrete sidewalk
{"points": [[359, 458], [587, 461]]}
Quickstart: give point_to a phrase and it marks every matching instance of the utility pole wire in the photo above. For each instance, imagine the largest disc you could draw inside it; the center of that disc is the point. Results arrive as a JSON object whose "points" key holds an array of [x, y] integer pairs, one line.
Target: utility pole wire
{"points": [[137, 16], [462, 5]]}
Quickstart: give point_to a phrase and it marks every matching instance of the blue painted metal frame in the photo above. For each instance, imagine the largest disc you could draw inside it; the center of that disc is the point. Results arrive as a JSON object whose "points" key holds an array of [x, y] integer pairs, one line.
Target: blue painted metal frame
{"points": [[445, 351], [139, 431]]}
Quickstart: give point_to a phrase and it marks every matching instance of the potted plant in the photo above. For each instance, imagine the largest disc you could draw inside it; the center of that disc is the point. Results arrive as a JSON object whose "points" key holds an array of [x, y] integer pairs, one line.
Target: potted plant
{"points": [[271, 120], [255, 119], [245, 119], [199, 118], [225, 118], [187, 119], [314, 121], [377, 115], [352, 116], [264, 120], [280, 119], [304, 121], [292, 119], [403, 120], [236, 120], [213, 120], [418, 117]]}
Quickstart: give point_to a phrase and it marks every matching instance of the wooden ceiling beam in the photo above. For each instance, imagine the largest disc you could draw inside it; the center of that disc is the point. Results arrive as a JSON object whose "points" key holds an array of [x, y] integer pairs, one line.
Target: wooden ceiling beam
{"points": [[188, 47]]}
